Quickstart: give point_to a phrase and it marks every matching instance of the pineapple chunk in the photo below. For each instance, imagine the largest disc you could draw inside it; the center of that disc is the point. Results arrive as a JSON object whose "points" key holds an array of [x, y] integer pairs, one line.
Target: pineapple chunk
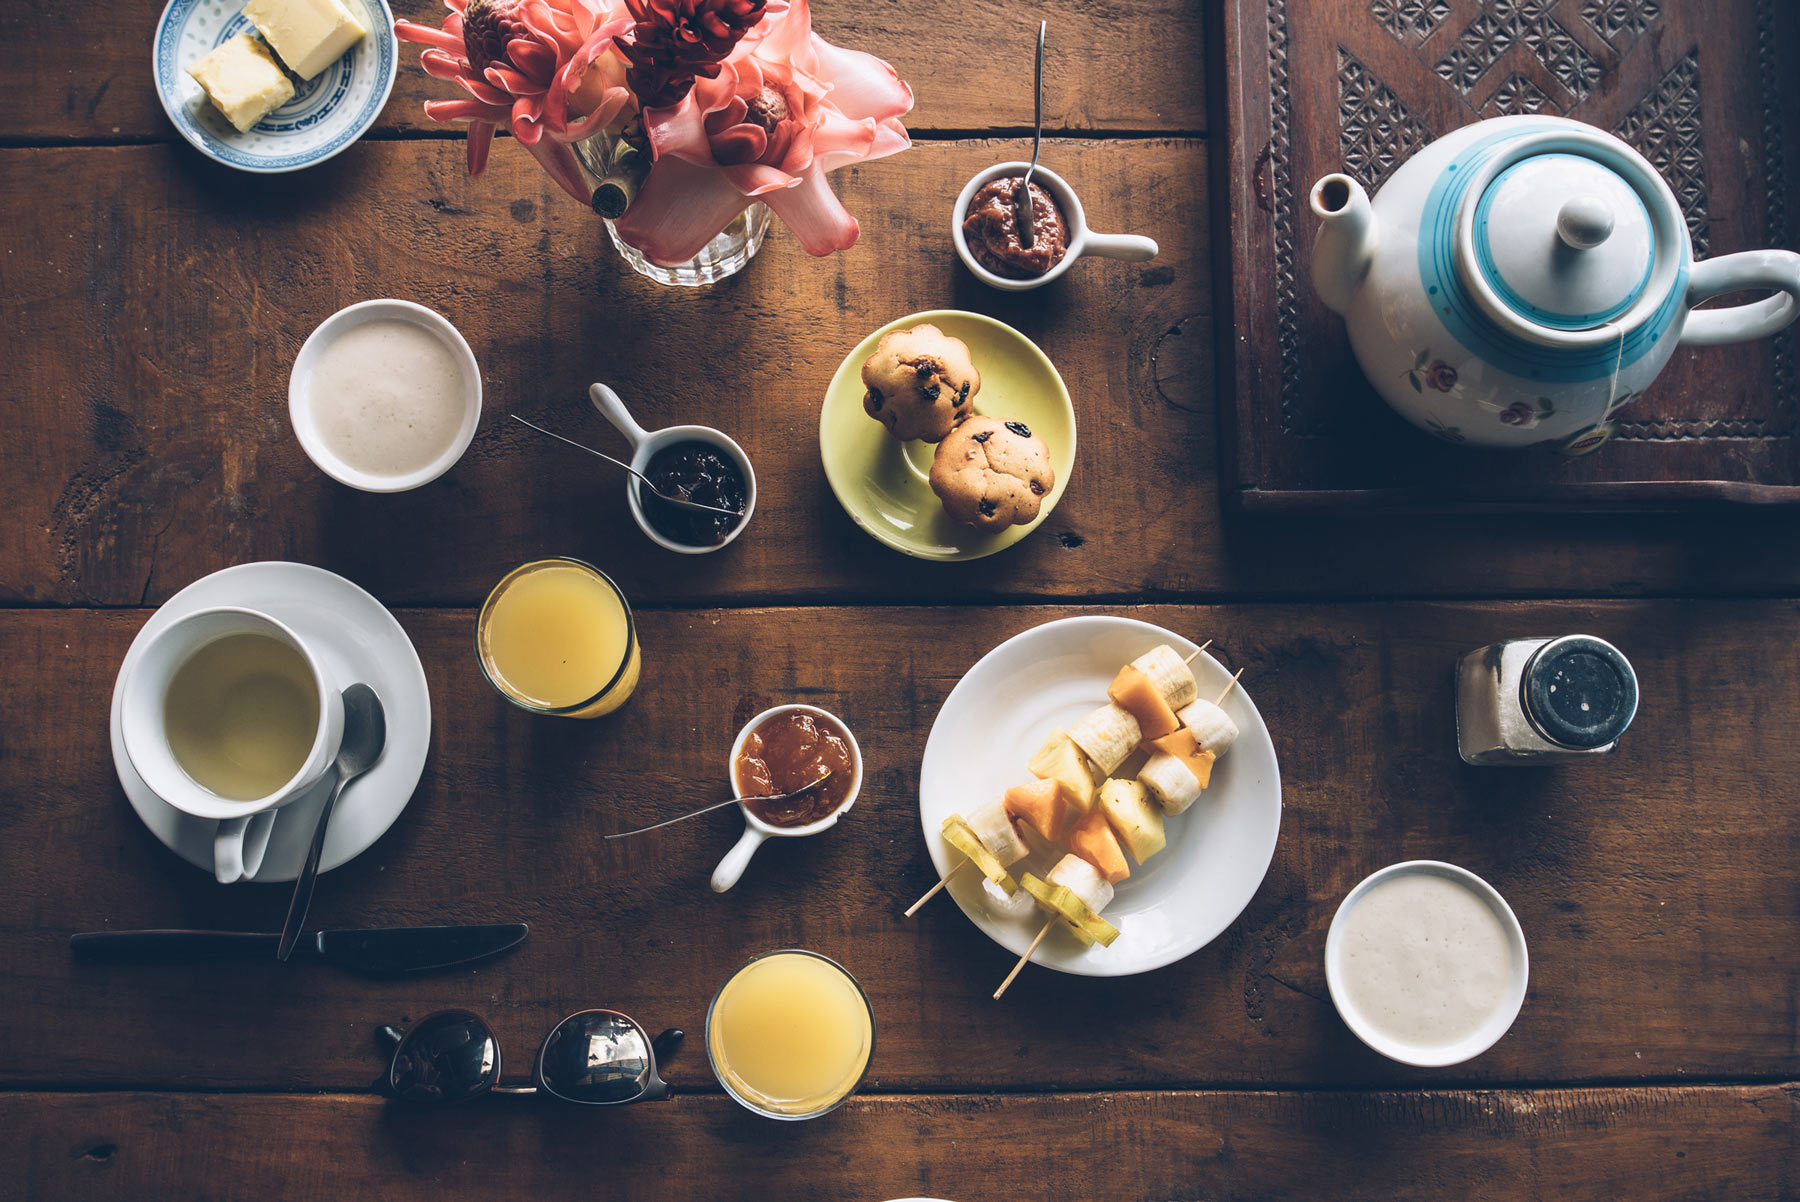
{"points": [[1042, 805], [1093, 840], [1132, 689], [1061, 761], [1134, 817]]}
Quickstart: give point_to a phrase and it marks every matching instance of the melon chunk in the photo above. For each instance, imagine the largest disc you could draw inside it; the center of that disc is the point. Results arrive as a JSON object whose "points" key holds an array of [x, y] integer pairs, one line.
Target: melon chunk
{"points": [[1063, 762], [1042, 805], [1134, 818], [1180, 743], [1201, 765], [1133, 690], [1093, 840]]}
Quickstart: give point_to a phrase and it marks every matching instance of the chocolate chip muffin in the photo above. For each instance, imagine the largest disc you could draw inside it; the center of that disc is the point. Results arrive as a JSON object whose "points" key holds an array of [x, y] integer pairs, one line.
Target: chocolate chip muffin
{"points": [[920, 383], [991, 474]]}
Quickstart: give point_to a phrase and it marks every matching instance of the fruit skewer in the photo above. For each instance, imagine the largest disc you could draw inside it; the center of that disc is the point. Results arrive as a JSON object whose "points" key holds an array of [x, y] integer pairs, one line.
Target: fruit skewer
{"points": [[988, 840], [1074, 895]]}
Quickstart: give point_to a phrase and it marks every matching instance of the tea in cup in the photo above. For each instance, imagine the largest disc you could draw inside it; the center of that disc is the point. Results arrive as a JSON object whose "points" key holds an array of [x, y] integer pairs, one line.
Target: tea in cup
{"points": [[228, 716]]}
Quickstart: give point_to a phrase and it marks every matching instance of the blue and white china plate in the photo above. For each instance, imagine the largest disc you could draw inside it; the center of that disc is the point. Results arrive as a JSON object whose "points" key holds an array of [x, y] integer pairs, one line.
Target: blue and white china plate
{"points": [[327, 113]]}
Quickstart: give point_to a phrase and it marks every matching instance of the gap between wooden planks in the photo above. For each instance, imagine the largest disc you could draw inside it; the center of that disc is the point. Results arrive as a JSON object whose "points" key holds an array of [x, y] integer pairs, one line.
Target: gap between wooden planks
{"points": [[1573, 1145]]}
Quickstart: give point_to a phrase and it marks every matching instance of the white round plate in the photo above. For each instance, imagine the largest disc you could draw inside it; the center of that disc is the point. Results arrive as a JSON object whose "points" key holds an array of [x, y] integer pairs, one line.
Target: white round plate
{"points": [[358, 639], [327, 113], [1003, 709]]}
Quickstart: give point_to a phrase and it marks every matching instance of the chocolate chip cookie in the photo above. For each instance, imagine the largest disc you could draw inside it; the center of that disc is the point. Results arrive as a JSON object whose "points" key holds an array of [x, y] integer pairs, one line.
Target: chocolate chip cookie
{"points": [[991, 474], [920, 383]]}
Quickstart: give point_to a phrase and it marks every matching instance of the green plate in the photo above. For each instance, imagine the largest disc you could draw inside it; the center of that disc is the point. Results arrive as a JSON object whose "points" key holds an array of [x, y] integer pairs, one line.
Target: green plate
{"points": [[884, 485]]}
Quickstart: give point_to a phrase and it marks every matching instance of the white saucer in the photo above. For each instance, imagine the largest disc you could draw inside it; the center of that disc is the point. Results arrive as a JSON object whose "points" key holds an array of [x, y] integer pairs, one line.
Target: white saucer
{"points": [[1218, 852], [358, 639]]}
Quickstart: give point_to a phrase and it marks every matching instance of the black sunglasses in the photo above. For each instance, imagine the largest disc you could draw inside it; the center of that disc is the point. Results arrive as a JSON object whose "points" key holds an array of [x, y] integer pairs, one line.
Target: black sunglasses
{"points": [[593, 1057]]}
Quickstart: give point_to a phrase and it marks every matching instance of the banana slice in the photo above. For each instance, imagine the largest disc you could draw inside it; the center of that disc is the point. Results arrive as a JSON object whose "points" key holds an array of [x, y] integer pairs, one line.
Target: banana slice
{"points": [[1001, 904], [1171, 782], [958, 835], [1107, 736], [1213, 728], [990, 824], [1084, 881], [1172, 677], [1075, 910]]}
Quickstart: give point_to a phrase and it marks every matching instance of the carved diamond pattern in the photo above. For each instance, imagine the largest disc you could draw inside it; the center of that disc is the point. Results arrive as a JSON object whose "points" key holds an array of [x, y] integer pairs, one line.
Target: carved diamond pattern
{"points": [[1505, 23], [1665, 127], [1620, 21], [1516, 97], [1376, 131], [1413, 20]]}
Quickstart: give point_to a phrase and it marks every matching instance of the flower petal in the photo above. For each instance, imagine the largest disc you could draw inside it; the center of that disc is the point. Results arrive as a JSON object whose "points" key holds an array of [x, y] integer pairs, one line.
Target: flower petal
{"points": [[559, 161], [861, 84], [813, 212], [425, 35], [754, 179], [680, 208], [481, 136], [889, 138]]}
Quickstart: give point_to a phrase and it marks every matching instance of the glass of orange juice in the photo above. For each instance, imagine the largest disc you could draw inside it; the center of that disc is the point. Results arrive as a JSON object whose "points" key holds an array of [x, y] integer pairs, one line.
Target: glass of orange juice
{"points": [[556, 637], [790, 1034]]}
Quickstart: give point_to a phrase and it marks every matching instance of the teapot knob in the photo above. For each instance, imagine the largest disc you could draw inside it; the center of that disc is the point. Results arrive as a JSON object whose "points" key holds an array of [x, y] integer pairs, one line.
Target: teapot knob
{"points": [[1584, 222]]}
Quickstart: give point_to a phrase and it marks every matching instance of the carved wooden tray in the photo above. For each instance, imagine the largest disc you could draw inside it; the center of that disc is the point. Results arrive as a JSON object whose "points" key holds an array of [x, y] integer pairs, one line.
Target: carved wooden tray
{"points": [[1708, 90]]}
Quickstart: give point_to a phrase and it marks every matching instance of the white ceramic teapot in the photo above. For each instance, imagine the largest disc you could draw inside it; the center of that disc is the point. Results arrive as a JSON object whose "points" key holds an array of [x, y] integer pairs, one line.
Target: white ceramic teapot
{"points": [[1520, 280]]}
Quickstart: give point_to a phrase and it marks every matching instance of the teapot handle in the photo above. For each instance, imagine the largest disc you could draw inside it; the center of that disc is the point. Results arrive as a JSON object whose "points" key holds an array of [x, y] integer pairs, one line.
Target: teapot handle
{"points": [[1777, 269]]}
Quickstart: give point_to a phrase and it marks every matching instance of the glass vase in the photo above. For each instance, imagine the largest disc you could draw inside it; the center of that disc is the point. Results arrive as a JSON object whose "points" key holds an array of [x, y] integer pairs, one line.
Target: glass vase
{"points": [[729, 252]]}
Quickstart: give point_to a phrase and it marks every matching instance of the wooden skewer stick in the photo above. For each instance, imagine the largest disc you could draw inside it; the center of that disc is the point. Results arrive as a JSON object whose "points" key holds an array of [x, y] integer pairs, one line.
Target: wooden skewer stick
{"points": [[933, 891], [1230, 685], [1022, 959], [1196, 655]]}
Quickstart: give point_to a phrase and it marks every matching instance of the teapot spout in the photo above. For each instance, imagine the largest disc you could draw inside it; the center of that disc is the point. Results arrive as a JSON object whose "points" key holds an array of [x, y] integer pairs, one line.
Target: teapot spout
{"points": [[1346, 243]]}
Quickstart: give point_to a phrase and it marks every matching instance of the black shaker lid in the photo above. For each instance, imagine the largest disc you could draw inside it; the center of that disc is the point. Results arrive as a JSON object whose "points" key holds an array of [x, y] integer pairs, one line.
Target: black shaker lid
{"points": [[1579, 691]]}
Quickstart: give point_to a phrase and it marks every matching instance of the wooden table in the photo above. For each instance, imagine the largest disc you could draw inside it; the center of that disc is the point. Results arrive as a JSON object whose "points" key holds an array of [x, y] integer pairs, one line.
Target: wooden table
{"points": [[153, 303]]}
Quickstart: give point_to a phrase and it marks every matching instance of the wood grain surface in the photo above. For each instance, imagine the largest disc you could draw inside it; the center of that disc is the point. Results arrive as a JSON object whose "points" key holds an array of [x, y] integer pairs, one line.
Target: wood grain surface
{"points": [[146, 438], [1107, 69], [1654, 886], [1572, 1145], [154, 303]]}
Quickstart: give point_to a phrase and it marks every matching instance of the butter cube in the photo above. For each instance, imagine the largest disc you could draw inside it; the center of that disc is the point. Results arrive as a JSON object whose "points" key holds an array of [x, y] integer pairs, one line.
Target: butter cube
{"points": [[243, 81], [309, 35]]}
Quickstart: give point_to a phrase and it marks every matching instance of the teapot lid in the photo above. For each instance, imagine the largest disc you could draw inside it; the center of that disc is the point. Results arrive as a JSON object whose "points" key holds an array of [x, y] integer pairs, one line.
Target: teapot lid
{"points": [[1564, 241]]}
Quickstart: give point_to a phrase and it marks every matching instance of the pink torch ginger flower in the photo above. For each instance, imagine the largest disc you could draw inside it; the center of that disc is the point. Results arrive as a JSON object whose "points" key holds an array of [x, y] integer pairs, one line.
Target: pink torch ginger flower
{"points": [[786, 108], [547, 71]]}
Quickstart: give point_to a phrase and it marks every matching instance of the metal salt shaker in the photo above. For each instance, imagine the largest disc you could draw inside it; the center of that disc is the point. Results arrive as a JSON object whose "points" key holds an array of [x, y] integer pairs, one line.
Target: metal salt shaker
{"points": [[1535, 701]]}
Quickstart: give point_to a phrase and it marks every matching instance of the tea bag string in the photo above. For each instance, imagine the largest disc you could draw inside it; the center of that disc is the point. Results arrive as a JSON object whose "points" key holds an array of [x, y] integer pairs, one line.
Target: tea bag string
{"points": [[1612, 389]]}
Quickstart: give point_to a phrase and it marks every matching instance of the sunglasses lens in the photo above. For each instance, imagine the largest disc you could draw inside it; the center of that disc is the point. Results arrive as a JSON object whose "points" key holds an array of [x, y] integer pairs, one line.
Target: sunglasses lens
{"points": [[448, 1057], [597, 1057]]}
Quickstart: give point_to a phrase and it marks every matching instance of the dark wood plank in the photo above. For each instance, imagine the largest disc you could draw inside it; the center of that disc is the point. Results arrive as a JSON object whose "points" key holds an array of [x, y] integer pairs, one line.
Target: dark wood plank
{"points": [[969, 66], [1584, 1145], [146, 438], [1655, 886]]}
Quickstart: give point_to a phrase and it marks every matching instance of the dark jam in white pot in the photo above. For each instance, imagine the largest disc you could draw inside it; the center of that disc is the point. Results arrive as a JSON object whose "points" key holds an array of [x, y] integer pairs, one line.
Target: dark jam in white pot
{"points": [[700, 472]]}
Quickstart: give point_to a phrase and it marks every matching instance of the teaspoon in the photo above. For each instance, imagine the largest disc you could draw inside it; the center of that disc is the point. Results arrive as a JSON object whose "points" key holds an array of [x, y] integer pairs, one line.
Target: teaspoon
{"points": [[1027, 218], [365, 734], [721, 805], [679, 502]]}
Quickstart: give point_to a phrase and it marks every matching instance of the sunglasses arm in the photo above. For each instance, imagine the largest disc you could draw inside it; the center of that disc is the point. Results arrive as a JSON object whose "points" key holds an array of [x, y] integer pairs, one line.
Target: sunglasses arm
{"points": [[520, 1089]]}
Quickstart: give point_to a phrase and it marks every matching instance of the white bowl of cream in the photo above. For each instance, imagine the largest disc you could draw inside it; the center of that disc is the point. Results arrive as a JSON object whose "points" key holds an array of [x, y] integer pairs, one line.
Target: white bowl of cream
{"points": [[1426, 963], [385, 396]]}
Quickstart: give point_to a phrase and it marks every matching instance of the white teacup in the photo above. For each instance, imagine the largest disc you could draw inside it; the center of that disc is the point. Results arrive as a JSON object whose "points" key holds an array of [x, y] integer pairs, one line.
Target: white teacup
{"points": [[756, 831], [244, 826]]}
